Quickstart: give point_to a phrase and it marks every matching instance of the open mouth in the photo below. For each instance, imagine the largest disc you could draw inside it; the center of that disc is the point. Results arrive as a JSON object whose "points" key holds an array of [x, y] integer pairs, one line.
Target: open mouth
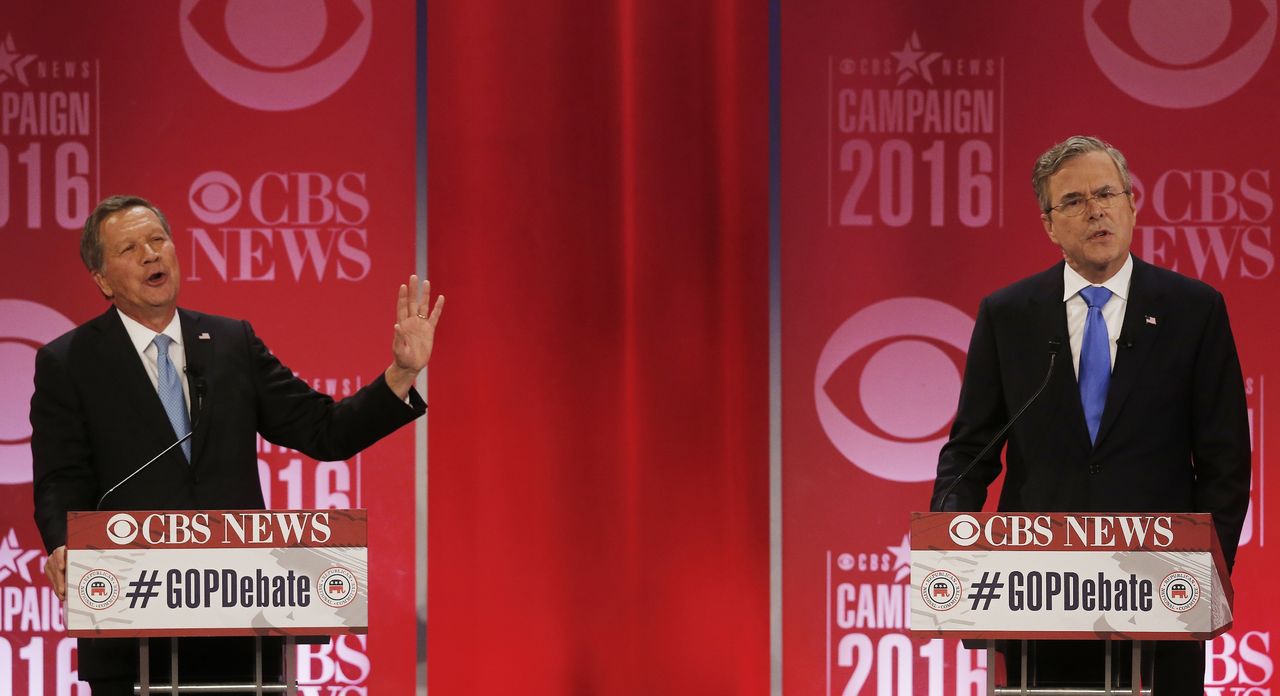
{"points": [[157, 278], [1099, 234]]}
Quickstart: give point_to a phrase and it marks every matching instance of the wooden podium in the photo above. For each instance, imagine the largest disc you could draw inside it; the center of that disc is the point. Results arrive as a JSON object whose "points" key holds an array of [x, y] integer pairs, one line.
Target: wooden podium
{"points": [[291, 573], [1068, 576]]}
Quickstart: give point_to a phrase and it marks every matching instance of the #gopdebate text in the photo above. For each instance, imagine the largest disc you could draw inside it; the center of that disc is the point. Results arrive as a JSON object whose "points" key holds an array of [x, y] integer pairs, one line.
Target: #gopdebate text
{"points": [[1039, 590], [209, 588]]}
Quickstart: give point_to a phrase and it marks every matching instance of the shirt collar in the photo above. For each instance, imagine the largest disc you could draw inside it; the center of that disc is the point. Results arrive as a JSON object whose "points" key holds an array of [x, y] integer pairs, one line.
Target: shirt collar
{"points": [[141, 336], [1118, 284]]}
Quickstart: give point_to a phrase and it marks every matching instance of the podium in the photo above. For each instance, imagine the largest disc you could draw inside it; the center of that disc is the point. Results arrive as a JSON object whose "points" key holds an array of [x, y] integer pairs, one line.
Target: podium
{"points": [[1068, 576], [174, 573]]}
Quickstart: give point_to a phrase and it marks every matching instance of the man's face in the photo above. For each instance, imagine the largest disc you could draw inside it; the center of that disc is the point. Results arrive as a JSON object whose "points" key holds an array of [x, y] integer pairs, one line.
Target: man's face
{"points": [[139, 265], [1096, 242]]}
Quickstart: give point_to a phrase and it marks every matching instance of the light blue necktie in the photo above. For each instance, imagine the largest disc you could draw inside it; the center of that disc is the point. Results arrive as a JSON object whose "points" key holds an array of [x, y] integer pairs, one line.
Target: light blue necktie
{"points": [[1095, 360], [170, 389]]}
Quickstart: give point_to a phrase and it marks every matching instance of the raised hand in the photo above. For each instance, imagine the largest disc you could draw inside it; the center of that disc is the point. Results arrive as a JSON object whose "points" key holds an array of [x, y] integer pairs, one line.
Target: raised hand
{"points": [[415, 332]]}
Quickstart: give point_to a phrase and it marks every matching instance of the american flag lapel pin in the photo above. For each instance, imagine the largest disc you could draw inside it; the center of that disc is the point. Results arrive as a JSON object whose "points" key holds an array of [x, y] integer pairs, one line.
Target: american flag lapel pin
{"points": [[205, 336], [1150, 320]]}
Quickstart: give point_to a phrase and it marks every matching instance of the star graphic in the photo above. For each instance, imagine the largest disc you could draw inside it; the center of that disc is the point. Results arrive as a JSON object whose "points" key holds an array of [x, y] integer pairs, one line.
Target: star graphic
{"points": [[912, 60], [12, 63], [901, 558], [13, 559]]}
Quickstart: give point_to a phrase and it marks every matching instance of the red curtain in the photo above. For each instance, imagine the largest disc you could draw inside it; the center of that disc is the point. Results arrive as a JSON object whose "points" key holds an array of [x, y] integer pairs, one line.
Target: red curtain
{"points": [[598, 218]]}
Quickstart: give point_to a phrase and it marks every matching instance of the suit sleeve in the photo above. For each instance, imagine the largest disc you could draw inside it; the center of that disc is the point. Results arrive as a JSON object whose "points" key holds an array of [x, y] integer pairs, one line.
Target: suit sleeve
{"points": [[979, 416], [292, 414], [61, 468], [1220, 445]]}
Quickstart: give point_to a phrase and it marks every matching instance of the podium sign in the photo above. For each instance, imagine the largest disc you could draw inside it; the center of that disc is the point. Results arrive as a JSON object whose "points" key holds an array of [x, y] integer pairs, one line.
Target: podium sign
{"points": [[224, 572], [1068, 576]]}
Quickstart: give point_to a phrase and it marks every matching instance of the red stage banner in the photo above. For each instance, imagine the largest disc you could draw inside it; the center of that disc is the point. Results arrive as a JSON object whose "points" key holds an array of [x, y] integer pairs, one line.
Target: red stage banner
{"points": [[599, 438], [278, 138], [909, 130]]}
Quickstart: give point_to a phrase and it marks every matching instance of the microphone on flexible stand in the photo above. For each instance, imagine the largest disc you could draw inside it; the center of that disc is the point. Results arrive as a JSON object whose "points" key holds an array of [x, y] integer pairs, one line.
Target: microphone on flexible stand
{"points": [[195, 377], [198, 389], [1055, 345]]}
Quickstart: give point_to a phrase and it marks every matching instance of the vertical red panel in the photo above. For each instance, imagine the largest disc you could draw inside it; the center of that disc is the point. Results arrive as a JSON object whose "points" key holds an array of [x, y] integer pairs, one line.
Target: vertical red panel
{"points": [[896, 221], [597, 188], [279, 140]]}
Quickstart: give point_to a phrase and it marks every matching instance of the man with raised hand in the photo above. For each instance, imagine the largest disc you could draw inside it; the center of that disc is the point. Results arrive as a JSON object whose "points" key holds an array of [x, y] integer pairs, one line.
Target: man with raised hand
{"points": [[116, 391]]}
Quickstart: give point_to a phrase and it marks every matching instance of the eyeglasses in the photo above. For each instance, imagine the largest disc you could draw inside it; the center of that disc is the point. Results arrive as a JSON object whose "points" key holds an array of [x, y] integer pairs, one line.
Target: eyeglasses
{"points": [[1076, 206]]}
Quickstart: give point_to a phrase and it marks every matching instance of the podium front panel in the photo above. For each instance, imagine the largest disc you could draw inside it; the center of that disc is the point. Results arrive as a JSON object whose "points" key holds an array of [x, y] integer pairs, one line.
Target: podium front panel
{"points": [[1067, 576], [195, 572]]}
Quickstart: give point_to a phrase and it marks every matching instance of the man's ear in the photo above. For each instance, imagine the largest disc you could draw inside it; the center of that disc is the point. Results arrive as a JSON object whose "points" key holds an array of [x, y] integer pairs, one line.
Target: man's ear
{"points": [[103, 286], [1048, 227]]}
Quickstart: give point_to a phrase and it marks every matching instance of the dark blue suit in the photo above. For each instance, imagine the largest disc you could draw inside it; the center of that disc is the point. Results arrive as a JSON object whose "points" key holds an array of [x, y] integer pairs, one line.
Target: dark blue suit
{"points": [[1174, 435]]}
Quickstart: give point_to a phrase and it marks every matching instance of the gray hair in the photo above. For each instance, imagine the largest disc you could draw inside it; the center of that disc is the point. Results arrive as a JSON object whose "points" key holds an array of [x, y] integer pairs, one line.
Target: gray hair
{"points": [[91, 240], [1055, 157]]}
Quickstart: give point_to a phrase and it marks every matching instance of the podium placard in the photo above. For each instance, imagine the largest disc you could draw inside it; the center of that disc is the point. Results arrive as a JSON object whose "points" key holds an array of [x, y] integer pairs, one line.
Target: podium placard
{"points": [[1137, 576], [217, 572]]}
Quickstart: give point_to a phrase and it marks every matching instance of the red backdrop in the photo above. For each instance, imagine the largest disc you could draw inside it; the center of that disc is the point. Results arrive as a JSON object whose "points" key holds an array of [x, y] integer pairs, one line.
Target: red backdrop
{"points": [[908, 135], [599, 500], [279, 141], [598, 212]]}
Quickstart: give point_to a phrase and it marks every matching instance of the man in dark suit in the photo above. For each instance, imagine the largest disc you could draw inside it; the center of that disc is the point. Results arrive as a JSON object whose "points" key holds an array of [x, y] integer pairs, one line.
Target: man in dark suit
{"points": [[1145, 413], [109, 397]]}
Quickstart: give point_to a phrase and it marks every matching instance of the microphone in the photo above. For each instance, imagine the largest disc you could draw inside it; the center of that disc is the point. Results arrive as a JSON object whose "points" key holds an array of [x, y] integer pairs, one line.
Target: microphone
{"points": [[195, 377], [1055, 345], [198, 389]]}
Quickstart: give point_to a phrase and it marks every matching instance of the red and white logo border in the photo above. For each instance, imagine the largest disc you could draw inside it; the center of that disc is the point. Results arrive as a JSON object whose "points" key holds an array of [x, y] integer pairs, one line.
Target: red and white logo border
{"points": [[1166, 587], [112, 596], [322, 587], [945, 576]]}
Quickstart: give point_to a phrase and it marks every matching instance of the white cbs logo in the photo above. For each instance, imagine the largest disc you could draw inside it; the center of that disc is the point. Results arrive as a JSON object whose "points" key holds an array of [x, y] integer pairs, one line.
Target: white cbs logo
{"points": [[964, 530], [24, 328], [907, 389], [1187, 62], [215, 197], [282, 198], [267, 55], [122, 528]]}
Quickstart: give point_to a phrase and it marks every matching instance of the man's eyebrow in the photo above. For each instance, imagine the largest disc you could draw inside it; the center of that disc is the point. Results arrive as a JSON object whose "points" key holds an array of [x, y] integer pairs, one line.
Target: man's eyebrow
{"points": [[1078, 194]]}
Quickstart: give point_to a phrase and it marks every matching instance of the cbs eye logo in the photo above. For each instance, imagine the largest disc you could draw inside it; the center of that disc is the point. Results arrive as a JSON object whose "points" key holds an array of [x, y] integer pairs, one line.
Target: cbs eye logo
{"points": [[887, 383], [24, 328], [122, 528], [964, 530], [1181, 54], [214, 197], [276, 56]]}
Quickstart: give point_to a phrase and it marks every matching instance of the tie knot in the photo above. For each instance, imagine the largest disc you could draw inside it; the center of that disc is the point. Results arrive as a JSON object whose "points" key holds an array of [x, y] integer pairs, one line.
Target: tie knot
{"points": [[1095, 297], [162, 344]]}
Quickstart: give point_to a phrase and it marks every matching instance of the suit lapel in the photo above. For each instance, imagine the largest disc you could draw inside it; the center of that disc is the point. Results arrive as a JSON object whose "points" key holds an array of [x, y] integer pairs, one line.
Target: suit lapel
{"points": [[1136, 339], [1051, 311], [198, 345], [124, 368]]}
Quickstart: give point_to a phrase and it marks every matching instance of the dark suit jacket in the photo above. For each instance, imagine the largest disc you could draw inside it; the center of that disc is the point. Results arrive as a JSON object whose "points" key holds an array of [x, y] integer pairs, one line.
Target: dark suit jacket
{"points": [[96, 418], [1174, 434]]}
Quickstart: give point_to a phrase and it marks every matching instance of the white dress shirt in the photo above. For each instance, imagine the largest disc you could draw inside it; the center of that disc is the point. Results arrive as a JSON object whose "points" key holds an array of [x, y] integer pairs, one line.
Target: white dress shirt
{"points": [[1112, 311], [142, 338]]}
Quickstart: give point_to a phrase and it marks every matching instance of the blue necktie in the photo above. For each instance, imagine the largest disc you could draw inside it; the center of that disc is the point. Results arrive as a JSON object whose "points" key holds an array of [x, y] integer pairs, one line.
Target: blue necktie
{"points": [[1095, 360], [170, 389]]}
